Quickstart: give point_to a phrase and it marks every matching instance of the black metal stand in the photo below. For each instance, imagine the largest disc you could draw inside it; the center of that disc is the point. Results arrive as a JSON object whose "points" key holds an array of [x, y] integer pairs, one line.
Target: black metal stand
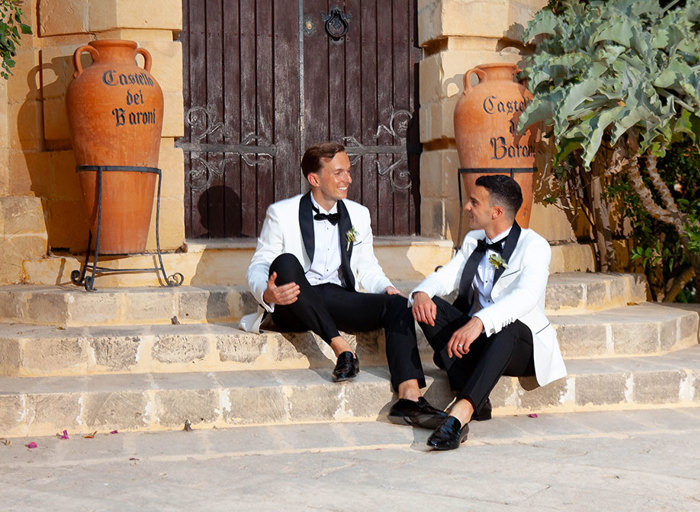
{"points": [[79, 277]]}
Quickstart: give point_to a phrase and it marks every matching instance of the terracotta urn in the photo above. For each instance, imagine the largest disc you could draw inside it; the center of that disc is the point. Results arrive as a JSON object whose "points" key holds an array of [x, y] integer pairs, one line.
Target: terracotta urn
{"points": [[485, 121], [115, 113]]}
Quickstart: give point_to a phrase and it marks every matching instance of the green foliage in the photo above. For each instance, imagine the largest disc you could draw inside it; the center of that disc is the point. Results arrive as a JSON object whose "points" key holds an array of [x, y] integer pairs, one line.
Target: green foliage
{"points": [[602, 68], [11, 26], [657, 245]]}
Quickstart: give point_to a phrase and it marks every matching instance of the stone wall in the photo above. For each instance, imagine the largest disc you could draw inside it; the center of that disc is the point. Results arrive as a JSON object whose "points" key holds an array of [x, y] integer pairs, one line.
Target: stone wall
{"points": [[40, 168], [456, 36]]}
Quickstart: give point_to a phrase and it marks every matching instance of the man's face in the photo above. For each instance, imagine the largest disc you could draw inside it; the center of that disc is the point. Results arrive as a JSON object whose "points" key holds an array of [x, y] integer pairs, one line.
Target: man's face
{"points": [[333, 179], [479, 209]]}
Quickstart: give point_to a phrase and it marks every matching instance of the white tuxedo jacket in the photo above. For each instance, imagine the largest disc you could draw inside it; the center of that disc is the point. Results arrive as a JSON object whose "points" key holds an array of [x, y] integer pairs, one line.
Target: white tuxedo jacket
{"points": [[282, 233], [518, 294]]}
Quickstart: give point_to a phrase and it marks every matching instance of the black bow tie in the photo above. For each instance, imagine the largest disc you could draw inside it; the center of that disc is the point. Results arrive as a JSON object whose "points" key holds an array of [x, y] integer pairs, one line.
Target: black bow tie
{"points": [[330, 217], [483, 246]]}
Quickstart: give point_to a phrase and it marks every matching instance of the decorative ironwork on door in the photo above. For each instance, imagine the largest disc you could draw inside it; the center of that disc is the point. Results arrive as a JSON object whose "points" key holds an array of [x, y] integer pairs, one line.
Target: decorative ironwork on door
{"points": [[259, 89]]}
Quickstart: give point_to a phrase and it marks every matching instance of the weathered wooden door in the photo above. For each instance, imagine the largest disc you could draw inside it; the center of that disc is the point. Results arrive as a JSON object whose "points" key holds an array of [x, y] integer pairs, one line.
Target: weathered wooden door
{"points": [[265, 79]]}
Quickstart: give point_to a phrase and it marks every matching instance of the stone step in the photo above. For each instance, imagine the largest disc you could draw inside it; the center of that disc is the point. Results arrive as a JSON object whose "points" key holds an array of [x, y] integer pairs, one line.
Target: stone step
{"points": [[43, 406], [225, 261], [69, 305], [26, 350]]}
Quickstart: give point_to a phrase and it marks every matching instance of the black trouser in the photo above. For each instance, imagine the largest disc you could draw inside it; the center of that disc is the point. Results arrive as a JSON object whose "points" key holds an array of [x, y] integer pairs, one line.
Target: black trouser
{"points": [[326, 308], [508, 352]]}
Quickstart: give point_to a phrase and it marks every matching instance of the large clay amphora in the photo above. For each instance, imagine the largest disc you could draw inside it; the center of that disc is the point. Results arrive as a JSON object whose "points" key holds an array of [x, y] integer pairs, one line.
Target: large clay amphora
{"points": [[115, 113], [485, 120]]}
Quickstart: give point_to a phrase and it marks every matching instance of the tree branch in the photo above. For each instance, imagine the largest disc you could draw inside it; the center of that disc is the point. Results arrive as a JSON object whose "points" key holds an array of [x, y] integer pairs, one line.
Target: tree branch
{"points": [[678, 284], [659, 184]]}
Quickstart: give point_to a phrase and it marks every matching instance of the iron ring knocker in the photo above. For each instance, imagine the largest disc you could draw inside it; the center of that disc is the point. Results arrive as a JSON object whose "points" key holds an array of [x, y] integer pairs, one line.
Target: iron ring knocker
{"points": [[336, 23]]}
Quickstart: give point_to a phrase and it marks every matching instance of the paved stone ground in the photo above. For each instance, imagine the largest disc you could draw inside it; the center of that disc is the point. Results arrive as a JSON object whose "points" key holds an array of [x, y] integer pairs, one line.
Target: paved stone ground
{"points": [[604, 461]]}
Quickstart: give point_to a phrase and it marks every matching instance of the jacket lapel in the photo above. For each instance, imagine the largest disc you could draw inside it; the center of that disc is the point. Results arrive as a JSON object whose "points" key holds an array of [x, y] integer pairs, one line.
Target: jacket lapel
{"points": [[511, 243], [306, 224], [344, 226]]}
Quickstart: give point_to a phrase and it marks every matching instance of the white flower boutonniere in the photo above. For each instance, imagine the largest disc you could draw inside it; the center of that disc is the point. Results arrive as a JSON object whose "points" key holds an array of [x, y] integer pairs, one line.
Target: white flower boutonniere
{"points": [[497, 261], [351, 237]]}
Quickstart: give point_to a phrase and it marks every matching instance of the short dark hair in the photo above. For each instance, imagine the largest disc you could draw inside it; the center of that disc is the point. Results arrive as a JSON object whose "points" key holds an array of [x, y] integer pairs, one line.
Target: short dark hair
{"points": [[504, 191], [311, 161]]}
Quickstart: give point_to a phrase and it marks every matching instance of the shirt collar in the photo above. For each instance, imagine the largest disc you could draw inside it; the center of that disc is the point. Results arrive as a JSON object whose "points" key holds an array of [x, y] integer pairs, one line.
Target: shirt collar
{"points": [[500, 236], [321, 209]]}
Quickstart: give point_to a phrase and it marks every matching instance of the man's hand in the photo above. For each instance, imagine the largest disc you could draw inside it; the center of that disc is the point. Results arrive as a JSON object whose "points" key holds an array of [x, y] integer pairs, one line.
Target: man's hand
{"points": [[463, 337], [390, 290], [282, 295], [424, 309]]}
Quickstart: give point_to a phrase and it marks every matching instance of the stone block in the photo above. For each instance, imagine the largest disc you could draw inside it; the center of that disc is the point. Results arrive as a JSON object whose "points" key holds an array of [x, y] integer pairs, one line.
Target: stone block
{"points": [[177, 405], [57, 67], [439, 173], [153, 306], [10, 357], [13, 305], [565, 295], [103, 307], [48, 309], [572, 257], [251, 405], [635, 338], [242, 348], [180, 349], [53, 411], [219, 304], [120, 410], [22, 216], [433, 218], [597, 293], [551, 395], [551, 222], [437, 120], [66, 185], [29, 173], [116, 352], [689, 326], [46, 356], [25, 125], [173, 115], [110, 14], [58, 17], [582, 340], [12, 411], [24, 83], [166, 63], [171, 161], [56, 119], [662, 387], [600, 389], [192, 306], [172, 225]]}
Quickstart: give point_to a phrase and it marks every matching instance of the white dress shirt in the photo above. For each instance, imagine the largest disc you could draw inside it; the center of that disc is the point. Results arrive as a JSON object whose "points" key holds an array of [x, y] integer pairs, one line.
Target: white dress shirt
{"points": [[325, 267], [483, 279]]}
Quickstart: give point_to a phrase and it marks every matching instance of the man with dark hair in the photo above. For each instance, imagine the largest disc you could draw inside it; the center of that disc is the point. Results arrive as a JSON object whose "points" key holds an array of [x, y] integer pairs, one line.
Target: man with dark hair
{"points": [[313, 252], [497, 324]]}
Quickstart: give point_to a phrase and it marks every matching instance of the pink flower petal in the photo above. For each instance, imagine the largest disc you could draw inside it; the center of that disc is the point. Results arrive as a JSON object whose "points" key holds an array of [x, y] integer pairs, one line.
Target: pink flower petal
{"points": [[31, 445], [114, 432], [533, 415], [65, 435]]}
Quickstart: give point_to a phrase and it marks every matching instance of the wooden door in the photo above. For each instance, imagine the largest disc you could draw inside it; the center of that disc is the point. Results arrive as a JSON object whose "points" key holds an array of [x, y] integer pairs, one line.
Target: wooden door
{"points": [[264, 79]]}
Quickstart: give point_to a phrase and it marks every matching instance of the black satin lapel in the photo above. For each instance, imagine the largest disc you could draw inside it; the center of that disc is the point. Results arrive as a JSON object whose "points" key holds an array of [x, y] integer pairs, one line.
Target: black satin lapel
{"points": [[306, 224], [511, 242], [344, 226], [466, 290]]}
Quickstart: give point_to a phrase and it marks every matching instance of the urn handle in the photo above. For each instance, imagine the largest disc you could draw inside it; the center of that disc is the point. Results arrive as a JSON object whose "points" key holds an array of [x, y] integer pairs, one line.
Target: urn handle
{"points": [[468, 78], [146, 58], [76, 58]]}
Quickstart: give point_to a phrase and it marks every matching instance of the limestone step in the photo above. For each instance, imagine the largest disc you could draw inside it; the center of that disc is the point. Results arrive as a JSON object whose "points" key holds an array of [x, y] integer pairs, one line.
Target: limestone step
{"points": [[69, 305], [44, 406], [225, 261], [26, 350]]}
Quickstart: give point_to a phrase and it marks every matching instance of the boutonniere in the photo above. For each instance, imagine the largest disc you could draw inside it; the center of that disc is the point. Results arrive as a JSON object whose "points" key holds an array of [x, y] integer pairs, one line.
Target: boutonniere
{"points": [[351, 237], [497, 261]]}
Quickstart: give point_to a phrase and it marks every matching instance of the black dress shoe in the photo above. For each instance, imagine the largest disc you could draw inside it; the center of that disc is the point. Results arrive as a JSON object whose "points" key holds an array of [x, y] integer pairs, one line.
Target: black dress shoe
{"points": [[449, 435], [347, 367], [484, 412], [419, 414]]}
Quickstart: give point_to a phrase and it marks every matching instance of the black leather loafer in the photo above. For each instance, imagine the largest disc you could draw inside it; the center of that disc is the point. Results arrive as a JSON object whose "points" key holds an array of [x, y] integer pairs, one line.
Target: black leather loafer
{"points": [[419, 414], [347, 367], [449, 435], [484, 412]]}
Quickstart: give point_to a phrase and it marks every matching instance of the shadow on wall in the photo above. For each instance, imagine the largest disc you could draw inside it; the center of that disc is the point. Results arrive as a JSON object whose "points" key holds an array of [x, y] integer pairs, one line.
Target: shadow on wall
{"points": [[50, 165]]}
